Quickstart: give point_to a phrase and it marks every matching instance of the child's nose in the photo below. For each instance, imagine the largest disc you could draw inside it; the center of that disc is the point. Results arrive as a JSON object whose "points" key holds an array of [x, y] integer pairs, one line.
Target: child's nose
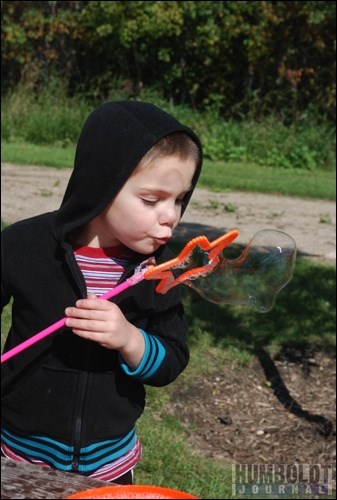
{"points": [[169, 216]]}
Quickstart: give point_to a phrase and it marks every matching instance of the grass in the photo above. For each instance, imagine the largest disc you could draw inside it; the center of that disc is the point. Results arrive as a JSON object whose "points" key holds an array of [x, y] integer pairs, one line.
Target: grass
{"points": [[221, 176], [22, 153], [168, 461], [216, 176]]}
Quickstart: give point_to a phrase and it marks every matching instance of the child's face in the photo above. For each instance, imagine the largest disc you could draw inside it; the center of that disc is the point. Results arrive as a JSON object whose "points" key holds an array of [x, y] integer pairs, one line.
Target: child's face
{"points": [[148, 208]]}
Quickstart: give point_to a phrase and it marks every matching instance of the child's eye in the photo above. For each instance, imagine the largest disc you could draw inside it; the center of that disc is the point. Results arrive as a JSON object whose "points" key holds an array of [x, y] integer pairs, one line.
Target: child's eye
{"points": [[149, 203]]}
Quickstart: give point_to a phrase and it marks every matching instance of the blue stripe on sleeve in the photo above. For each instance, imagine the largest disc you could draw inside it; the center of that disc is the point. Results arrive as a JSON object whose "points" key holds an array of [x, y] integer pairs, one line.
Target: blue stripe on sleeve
{"points": [[152, 359]]}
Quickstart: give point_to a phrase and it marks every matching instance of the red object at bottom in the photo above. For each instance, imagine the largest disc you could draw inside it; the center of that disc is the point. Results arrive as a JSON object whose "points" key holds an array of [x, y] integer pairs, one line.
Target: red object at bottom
{"points": [[131, 491]]}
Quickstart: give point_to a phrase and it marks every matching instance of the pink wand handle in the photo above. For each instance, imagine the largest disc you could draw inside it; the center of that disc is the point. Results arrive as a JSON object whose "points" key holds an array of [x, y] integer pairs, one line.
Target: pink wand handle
{"points": [[52, 328]]}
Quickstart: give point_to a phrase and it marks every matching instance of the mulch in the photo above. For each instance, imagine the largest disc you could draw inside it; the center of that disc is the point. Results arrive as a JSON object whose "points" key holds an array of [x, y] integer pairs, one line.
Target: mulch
{"points": [[274, 411]]}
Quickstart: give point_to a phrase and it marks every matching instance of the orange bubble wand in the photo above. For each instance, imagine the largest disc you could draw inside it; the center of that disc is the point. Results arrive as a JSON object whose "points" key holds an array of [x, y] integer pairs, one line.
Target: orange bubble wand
{"points": [[163, 272]]}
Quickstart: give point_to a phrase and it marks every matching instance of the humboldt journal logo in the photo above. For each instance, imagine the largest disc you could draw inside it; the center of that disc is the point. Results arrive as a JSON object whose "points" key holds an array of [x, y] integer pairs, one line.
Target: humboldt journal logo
{"points": [[249, 480]]}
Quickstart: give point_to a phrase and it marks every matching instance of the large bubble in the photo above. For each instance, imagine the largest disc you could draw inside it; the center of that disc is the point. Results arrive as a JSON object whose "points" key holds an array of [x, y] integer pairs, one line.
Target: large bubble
{"points": [[253, 279]]}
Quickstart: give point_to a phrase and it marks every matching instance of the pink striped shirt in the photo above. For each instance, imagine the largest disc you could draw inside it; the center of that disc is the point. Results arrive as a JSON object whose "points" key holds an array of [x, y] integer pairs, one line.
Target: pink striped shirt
{"points": [[101, 267]]}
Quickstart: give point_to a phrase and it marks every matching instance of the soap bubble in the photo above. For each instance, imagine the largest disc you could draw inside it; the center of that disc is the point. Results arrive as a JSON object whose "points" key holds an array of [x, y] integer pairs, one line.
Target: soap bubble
{"points": [[254, 279]]}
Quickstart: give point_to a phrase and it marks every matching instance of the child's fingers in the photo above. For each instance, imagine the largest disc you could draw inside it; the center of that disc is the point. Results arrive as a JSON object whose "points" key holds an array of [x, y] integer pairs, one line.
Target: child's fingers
{"points": [[91, 309], [84, 313], [95, 303], [85, 325]]}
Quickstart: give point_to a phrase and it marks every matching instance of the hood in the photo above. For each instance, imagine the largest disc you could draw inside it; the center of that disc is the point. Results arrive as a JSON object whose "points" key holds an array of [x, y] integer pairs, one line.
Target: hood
{"points": [[114, 138]]}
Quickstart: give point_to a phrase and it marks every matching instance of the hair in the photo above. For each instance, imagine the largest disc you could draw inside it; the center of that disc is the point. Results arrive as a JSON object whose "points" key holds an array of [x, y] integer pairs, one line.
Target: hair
{"points": [[177, 144]]}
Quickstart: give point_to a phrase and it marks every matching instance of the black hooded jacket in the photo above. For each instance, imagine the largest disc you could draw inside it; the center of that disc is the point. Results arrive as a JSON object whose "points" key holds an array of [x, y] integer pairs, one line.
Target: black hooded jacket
{"points": [[64, 386]]}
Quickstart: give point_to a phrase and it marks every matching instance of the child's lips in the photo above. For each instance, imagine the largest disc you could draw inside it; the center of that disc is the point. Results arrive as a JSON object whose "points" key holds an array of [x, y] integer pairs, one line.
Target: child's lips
{"points": [[163, 240]]}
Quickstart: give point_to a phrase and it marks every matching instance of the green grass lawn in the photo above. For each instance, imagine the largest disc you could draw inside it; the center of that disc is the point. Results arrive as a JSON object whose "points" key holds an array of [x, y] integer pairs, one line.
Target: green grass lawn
{"points": [[221, 176]]}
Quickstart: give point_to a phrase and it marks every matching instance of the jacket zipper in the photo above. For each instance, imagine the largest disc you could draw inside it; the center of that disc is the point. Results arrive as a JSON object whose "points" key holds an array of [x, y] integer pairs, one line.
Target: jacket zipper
{"points": [[82, 385], [82, 377]]}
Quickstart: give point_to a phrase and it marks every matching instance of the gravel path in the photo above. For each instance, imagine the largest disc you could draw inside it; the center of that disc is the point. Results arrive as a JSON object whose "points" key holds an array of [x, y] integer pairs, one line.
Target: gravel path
{"points": [[31, 190]]}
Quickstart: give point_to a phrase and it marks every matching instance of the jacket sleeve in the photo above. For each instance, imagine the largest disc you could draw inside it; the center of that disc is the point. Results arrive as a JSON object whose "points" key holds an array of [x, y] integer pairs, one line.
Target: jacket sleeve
{"points": [[166, 354], [161, 319]]}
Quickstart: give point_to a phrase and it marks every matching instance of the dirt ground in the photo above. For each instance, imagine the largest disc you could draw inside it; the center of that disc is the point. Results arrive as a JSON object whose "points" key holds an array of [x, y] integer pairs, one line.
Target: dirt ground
{"points": [[29, 190], [276, 410]]}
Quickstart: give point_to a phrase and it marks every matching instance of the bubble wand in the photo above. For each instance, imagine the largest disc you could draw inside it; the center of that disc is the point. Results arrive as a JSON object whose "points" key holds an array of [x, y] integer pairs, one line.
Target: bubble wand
{"points": [[266, 265]]}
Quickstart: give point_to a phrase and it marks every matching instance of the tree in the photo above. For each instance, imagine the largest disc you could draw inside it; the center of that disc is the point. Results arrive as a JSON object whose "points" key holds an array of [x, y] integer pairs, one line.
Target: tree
{"points": [[243, 58]]}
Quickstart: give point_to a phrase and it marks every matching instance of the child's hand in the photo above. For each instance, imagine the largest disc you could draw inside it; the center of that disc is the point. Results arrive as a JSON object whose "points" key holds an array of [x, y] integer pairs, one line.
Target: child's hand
{"points": [[103, 322]]}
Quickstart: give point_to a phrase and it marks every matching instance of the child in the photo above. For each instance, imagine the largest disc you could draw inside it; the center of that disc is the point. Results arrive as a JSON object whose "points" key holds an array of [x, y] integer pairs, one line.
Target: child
{"points": [[71, 401]]}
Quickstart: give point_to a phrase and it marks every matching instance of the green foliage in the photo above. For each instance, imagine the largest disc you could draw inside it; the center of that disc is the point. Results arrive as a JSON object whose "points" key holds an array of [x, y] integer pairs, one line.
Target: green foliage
{"points": [[308, 145], [244, 59], [39, 35], [48, 117], [51, 117]]}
